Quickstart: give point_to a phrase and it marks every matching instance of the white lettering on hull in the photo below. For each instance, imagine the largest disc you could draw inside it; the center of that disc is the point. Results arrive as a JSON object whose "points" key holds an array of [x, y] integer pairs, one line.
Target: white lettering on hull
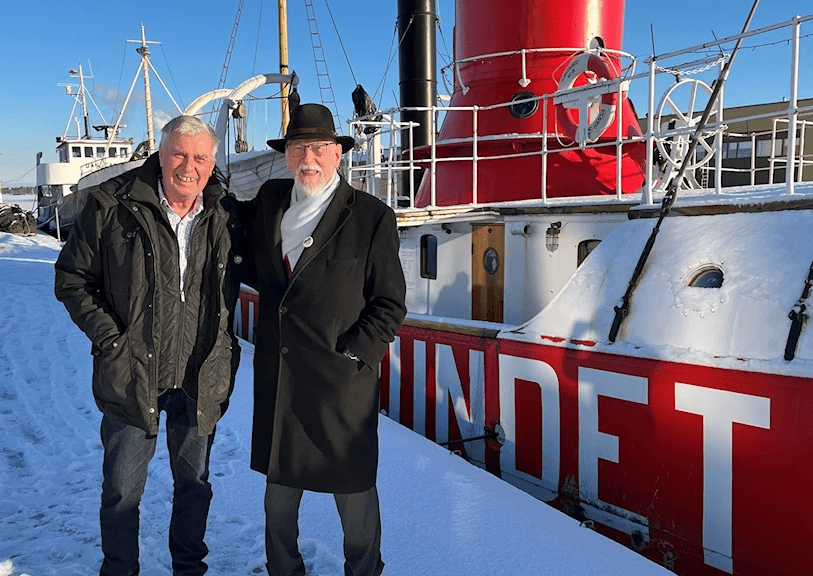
{"points": [[720, 411], [447, 386], [594, 444], [395, 380], [540, 373], [419, 386]]}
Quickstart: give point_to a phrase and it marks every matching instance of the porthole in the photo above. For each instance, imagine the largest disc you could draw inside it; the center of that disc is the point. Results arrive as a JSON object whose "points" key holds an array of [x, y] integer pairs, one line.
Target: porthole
{"points": [[523, 109], [707, 277], [585, 247], [491, 261]]}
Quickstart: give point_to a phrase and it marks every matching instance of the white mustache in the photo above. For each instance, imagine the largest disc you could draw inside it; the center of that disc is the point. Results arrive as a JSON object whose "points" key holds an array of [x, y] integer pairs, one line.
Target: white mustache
{"points": [[309, 168]]}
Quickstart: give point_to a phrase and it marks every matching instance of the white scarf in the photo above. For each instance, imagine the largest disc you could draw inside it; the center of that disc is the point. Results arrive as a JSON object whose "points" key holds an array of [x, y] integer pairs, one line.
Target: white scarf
{"points": [[302, 217]]}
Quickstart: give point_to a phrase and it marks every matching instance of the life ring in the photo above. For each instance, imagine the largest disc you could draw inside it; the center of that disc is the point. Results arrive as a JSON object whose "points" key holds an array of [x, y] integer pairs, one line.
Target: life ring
{"points": [[606, 113]]}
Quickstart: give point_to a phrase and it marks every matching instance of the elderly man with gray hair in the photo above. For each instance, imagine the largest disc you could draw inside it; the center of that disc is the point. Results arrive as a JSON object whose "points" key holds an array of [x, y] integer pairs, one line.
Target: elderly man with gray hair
{"points": [[151, 274]]}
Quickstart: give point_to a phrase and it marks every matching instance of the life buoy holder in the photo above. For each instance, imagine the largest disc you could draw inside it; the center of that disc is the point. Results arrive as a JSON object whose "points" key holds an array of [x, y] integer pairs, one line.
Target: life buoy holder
{"points": [[606, 114]]}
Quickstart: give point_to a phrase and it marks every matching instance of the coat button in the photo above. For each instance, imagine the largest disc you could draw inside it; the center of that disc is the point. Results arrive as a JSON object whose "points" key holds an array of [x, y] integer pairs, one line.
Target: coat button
{"points": [[284, 350], [115, 344], [220, 265], [149, 355], [135, 208], [283, 310], [238, 259], [152, 410]]}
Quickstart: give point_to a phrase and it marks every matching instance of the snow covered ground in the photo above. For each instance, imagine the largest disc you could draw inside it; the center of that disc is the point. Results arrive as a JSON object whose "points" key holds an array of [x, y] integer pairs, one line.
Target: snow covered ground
{"points": [[441, 516]]}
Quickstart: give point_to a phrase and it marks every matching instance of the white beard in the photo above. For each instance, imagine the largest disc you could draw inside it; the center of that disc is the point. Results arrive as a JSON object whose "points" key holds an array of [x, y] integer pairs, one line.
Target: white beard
{"points": [[310, 189]]}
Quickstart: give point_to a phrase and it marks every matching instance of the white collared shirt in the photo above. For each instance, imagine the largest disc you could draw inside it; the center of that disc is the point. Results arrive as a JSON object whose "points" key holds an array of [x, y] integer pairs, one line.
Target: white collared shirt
{"points": [[182, 227]]}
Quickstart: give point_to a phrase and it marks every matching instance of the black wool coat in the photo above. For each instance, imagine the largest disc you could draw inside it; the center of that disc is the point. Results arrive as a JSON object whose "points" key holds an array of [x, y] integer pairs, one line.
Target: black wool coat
{"points": [[315, 421]]}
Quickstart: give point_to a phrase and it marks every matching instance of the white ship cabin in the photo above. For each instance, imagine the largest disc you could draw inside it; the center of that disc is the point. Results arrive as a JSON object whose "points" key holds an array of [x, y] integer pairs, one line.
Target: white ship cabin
{"points": [[497, 215], [78, 157]]}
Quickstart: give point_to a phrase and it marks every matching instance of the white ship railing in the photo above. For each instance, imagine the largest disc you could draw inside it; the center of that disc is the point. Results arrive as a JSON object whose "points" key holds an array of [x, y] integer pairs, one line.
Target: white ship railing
{"points": [[379, 163]]}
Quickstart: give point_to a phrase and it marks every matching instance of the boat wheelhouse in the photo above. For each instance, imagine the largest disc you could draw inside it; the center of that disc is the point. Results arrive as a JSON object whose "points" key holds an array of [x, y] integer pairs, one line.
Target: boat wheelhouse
{"points": [[78, 156]]}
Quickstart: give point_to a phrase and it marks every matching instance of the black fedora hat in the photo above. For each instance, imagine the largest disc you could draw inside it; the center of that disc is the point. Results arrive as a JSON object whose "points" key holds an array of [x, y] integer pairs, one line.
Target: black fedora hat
{"points": [[311, 121]]}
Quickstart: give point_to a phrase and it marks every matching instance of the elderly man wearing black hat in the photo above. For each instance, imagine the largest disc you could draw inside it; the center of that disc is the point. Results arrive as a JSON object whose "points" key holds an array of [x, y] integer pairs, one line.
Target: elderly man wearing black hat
{"points": [[331, 300]]}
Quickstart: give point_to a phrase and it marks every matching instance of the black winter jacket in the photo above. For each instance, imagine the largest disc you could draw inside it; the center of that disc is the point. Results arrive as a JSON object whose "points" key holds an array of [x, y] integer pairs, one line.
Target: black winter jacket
{"points": [[118, 277]]}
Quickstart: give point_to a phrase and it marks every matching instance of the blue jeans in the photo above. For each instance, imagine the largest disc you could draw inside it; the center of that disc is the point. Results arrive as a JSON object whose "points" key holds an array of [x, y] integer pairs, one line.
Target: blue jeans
{"points": [[127, 453]]}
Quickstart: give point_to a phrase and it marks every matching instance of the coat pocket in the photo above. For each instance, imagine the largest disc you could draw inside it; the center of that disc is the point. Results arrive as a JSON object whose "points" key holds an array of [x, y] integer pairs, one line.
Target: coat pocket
{"points": [[113, 381], [125, 260]]}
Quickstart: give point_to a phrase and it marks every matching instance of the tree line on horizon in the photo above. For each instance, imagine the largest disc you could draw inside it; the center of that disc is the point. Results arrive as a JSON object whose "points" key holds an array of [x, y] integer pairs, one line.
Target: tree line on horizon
{"points": [[20, 190]]}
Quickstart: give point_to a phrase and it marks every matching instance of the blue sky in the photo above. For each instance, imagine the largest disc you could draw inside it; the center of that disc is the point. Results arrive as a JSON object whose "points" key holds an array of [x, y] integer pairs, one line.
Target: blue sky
{"points": [[41, 41]]}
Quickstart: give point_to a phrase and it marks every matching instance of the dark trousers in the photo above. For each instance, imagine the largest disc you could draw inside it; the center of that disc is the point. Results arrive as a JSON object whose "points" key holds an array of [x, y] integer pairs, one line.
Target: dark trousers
{"points": [[127, 452], [361, 523]]}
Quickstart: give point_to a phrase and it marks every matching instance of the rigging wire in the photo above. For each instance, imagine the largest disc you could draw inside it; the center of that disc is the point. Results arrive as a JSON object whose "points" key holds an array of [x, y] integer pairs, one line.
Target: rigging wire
{"points": [[121, 74], [254, 72], [326, 93], [225, 72], [257, 41], [390, 58], [447, 55], [393, 54], [166, 63], [333, 21], [444, 57]]}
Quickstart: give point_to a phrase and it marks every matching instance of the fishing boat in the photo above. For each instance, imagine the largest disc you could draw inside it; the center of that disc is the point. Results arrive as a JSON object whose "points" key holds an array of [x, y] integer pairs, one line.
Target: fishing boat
{"points": [[607, 311], [242, 170], [85, 162], [79, 155]]}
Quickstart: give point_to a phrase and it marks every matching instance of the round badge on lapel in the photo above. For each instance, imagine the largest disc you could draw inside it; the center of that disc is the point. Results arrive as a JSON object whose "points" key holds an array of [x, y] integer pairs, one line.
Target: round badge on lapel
{"points": [[307, 242]]}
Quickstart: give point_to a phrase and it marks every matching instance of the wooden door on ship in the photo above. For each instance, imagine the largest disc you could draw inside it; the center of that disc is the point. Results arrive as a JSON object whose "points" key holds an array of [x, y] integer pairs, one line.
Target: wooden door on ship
{"points": [[487, 276]]}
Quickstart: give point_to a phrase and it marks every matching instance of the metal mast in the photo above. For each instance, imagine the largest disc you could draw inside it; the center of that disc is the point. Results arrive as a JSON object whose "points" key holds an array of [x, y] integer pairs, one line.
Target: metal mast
{"points": [[285, 112], [144, 50]]}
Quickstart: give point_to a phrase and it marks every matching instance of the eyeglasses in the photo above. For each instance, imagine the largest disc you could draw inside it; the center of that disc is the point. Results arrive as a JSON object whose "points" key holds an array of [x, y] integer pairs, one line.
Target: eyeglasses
{"points": [[317, 148]]}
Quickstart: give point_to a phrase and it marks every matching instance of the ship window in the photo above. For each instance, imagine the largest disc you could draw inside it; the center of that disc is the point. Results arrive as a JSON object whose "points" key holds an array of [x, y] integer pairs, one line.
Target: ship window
{"points": [[523, 109], [112, 152], [707, 277], [88, 151], [76, 152], [585, 247], [99, 151], [124, 152], [491, 261], [764, 148], [744, 149], [429, 257]]}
